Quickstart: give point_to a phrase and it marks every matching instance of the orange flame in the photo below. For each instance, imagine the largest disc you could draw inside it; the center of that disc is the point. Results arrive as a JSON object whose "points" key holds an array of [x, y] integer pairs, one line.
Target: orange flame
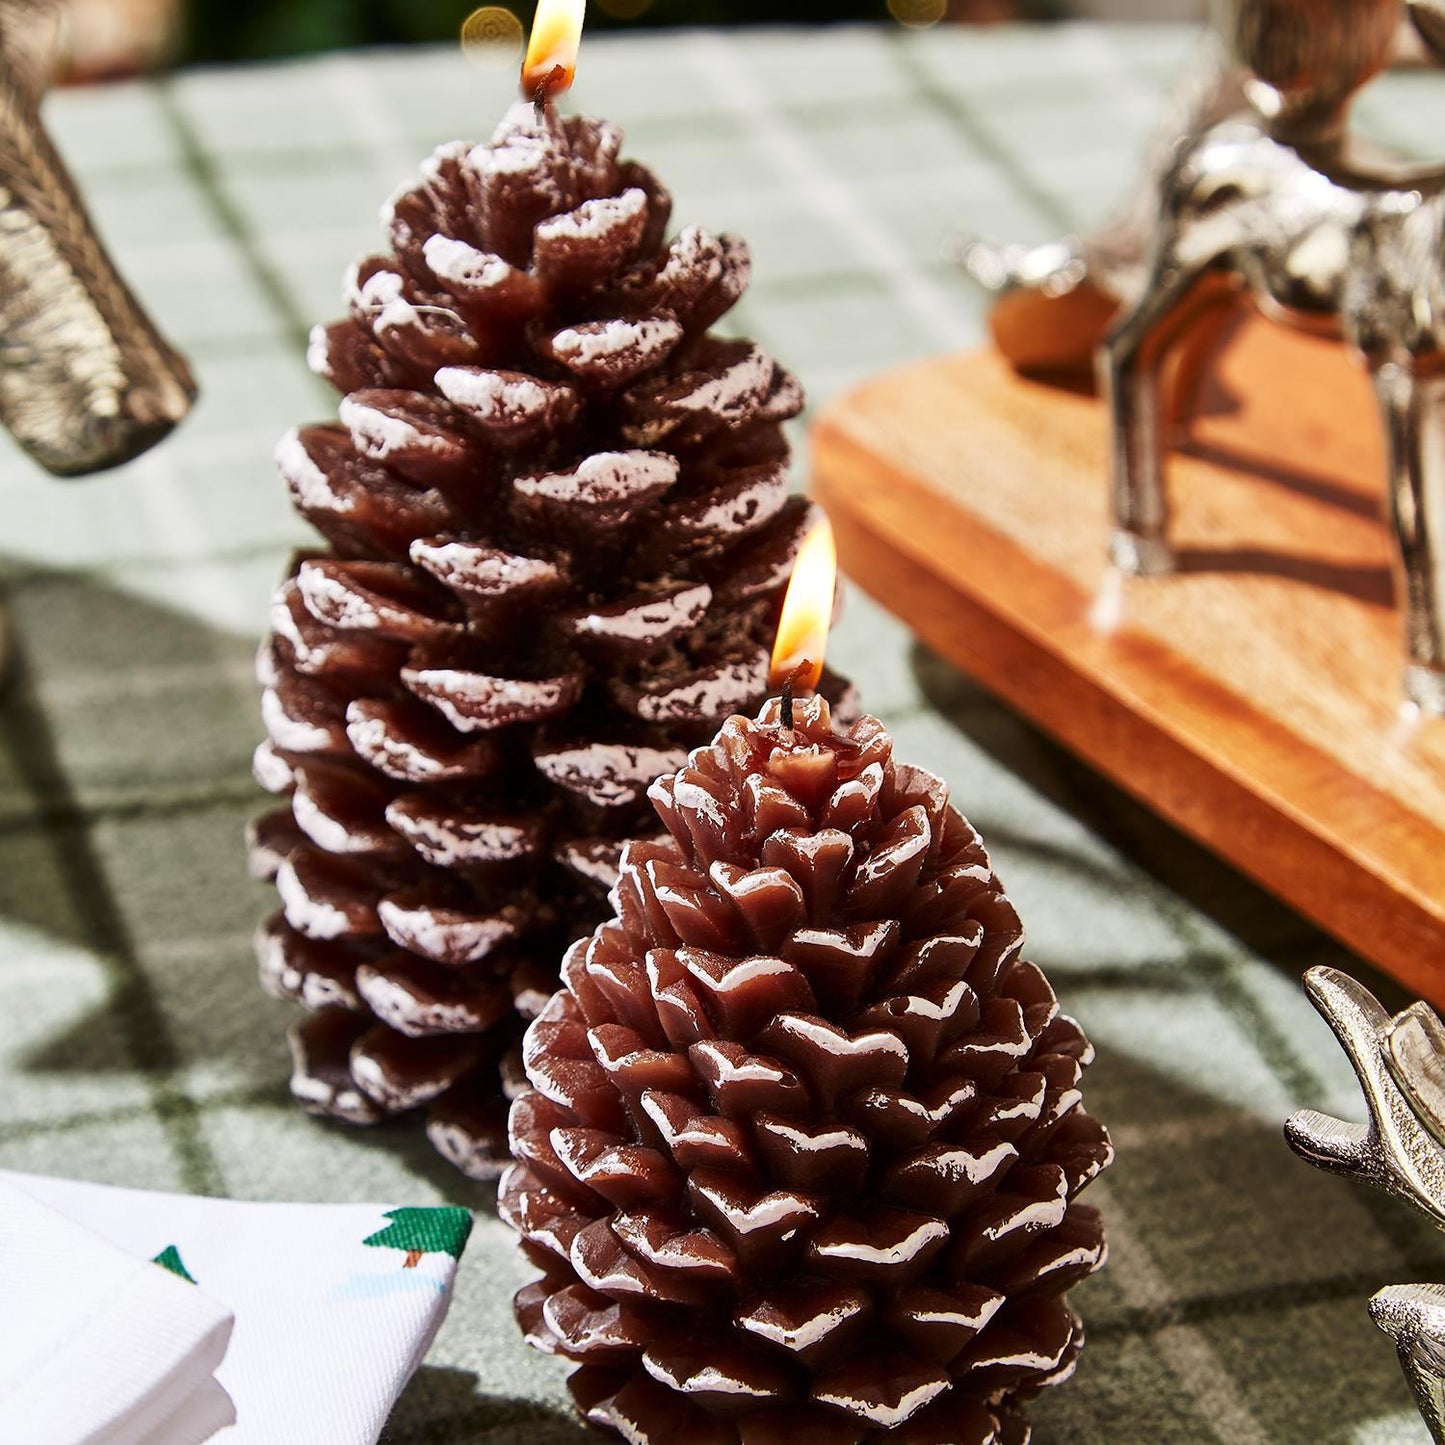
{"points": [[807, 610], [551, 61]]}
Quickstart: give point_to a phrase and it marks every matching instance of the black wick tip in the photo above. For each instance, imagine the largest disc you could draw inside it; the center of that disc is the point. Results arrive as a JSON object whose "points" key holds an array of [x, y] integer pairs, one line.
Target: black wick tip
{"points": [[557, 76], [789, 684]]}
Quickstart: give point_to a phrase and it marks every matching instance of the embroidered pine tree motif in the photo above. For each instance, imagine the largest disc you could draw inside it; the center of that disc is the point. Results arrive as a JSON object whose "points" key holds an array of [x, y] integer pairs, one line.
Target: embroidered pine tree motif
{"points": [[424, 1231], [170, 1258]]}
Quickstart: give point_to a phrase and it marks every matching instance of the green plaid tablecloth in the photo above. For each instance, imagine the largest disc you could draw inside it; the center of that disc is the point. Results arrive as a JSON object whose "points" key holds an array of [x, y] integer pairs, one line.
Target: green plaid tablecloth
{"points": [[135, 1046]]}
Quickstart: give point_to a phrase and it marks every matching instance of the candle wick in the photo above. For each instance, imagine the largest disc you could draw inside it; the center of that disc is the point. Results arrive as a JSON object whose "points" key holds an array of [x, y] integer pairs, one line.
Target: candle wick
{"points": [[789, 684], [556, 78]]}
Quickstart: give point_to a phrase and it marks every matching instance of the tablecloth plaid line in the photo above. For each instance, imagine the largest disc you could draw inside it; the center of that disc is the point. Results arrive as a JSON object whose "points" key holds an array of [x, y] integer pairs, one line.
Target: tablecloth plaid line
{"points": [[1220, 974], [385, 146], [273, 1095], [294, 325], [870, 240], [134, 1043], [1184, 1349], [28, 577], [55, 816], [1172, 1322], [1204, 1309], [148, 1040], [966, 120]]}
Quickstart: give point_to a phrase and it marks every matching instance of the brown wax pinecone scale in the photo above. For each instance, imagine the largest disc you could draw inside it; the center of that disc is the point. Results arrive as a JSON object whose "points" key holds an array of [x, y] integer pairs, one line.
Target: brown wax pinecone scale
{"points": [[558, 523], [802, 1156]]}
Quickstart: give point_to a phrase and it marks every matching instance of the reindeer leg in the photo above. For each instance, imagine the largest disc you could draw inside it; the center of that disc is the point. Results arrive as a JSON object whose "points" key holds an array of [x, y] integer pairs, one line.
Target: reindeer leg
{"points": [[1215, 310], [1412, 406], [1130, 361]]}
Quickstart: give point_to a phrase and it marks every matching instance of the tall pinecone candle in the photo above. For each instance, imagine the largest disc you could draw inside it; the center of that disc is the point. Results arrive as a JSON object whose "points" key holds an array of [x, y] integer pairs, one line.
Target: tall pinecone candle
{"points": [[558, 526], [801, 1159]]}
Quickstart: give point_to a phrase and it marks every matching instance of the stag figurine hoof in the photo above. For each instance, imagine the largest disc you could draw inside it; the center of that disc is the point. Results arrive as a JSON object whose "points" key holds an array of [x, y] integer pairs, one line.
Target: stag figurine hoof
{"points": [[1425, 687], [1138, 556]]}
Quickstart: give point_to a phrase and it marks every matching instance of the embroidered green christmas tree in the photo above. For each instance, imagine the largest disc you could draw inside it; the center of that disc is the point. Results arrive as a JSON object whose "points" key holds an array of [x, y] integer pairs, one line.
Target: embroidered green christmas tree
{"points": [[170, 1258], [424, 1231]]}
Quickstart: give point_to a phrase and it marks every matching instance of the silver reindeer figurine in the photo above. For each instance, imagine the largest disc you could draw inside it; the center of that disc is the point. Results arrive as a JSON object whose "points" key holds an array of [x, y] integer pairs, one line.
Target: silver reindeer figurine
{"points": [[1066, 291], [1276, 204], [1400, 1063], [86, 382]]}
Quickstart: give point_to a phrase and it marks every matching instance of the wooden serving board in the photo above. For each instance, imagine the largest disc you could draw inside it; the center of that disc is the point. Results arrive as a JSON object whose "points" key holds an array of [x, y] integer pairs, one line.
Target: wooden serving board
{"points": [[1253, 698]]}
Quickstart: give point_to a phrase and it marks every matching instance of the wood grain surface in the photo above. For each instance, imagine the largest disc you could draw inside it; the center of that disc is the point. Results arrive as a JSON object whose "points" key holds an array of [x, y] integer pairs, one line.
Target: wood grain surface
{"points": [[1254, 697]]}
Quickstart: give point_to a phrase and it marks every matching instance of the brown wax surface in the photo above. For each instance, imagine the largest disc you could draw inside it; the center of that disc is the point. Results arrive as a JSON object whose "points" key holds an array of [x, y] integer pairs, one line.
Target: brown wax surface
{"points": [[557, 521], [802, 1149]]}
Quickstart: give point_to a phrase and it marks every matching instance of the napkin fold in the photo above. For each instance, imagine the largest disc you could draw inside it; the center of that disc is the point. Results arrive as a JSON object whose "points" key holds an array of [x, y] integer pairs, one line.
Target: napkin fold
{"points": [[97, 1345], [335, 1306]]}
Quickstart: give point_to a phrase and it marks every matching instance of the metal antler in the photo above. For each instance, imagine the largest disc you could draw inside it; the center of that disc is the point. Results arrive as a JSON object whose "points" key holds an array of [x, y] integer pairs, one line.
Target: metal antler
{"points": [[1400, 1063], [86, 382]]}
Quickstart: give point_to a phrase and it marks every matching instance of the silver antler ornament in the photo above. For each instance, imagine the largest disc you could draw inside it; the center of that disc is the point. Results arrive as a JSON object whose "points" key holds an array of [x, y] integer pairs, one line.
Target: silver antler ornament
{"points": [[85, 380], [1400, 1063]]}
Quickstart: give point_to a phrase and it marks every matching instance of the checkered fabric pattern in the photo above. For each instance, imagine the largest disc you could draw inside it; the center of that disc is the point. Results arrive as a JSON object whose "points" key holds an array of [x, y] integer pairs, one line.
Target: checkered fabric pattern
{"points": [[135, 1046]]}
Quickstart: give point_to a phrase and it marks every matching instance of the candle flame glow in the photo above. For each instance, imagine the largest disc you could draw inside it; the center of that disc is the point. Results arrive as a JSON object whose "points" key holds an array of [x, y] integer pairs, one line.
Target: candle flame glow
{"points": [[807, 609], [551, 61]]}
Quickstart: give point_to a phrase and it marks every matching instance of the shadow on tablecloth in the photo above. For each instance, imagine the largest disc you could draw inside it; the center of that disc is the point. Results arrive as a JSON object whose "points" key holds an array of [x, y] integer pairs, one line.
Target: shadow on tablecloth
{"points": [[1233, 1306]]}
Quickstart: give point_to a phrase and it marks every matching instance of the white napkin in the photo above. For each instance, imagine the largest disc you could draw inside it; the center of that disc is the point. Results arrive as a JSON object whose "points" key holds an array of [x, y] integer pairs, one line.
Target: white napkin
{"points": [[75, 1363], [335, 1304]]}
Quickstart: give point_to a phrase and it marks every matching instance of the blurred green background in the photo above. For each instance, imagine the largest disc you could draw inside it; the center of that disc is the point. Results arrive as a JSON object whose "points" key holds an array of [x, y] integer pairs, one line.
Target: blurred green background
{"points": [[124, 37], [241, 29], [216, 30]]}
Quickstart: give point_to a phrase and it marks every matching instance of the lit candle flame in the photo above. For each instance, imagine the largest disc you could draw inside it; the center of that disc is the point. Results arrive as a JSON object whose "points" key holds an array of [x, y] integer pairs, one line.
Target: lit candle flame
{"points": [[551, 61], [807, 611]]}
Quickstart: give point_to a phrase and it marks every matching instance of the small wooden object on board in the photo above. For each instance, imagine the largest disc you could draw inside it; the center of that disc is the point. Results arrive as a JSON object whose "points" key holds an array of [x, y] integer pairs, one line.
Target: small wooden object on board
{"points": [[108, 39], [1254, 698]]}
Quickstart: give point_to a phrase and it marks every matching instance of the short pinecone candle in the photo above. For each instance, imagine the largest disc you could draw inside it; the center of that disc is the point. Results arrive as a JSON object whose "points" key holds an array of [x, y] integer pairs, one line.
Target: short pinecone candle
{"points": [[559, 527], [801, 1156]]}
